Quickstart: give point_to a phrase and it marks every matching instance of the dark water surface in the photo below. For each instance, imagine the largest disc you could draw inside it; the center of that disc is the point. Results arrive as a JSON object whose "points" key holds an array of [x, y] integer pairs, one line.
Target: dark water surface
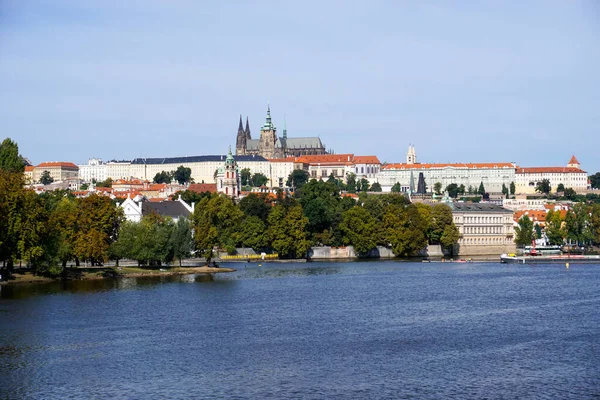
{"points": [[367, 330]]}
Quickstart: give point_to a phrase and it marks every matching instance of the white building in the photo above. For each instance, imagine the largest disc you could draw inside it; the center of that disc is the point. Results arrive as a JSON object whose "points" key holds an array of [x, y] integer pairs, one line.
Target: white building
{"points": [[571, 176], [134, 209], [281, 168], [94, 169], [493, 175]]}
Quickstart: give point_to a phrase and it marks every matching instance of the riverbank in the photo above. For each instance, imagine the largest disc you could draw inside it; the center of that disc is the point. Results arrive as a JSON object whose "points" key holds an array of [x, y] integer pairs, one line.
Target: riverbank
{"points": [[111, 273]]}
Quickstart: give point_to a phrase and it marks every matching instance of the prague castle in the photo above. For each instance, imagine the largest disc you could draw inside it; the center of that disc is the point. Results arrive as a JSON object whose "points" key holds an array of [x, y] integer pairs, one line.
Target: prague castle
{"points": [[269, 145]]}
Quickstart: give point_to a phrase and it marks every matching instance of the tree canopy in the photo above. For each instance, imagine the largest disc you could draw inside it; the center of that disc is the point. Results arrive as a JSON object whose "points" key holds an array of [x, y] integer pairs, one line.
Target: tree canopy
{"points": [[10, 160]]}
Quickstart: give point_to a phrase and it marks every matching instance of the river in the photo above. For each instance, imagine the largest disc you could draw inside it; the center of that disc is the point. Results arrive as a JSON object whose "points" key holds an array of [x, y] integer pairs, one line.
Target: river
{"points": [[359, 330]]}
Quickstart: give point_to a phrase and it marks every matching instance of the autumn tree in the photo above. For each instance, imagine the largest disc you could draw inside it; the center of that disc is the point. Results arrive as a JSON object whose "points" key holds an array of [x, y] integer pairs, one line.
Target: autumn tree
{"points": [[554, 228]]}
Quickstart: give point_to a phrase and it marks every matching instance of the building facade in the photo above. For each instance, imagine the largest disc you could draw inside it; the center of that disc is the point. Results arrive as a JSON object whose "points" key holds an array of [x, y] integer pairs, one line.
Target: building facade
{"points": [[571, 176], [58, 170], [94, 169], [228, 178], [485, 229], [269, 145]]}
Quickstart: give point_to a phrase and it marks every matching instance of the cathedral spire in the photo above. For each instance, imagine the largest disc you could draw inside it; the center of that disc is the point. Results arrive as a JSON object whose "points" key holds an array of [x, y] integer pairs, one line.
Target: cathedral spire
{"points": [[241, 127], [247, 130], [268, 126], [284, 127]]}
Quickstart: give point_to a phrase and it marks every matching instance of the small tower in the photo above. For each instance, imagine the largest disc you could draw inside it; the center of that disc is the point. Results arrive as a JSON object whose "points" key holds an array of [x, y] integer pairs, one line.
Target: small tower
{"points": [[241, 140], [228, 177], [284, 128], [268, 137], [411, 155], [574, 163]]}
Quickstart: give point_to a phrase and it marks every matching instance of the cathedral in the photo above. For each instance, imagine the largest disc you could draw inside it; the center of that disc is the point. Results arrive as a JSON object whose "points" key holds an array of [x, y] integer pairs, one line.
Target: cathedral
{"points": [[269, 145]]}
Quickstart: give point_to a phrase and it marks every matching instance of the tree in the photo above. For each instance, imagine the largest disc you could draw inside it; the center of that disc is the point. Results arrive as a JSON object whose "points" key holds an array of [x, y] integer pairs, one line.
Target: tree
{"points": [[259, 180], [577, 224], [297, 179], [543, 186], [106, 183], [512, 188], [163, 177], [570, 193], [450, 237], [253, 233], [358, 229], [538, 231], [560, 187], [182, 174], [363, 185], [190, 196], [481, 189], [376, 187], [10, 160], [441, 217], [504, 190], [245, 177], [461, 189], [595, 180], [437, 188], [452, 190], [256, 205], [524, 231], [404, 229], [287, 231], [595, 223], [396, 188], [45, 178], [84, 186], [351, 183], [182, 242], [554, 228], [471, 190]]}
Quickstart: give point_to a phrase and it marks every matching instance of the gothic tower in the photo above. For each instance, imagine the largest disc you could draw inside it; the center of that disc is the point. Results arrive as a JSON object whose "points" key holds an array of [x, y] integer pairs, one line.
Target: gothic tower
{"points": [[247, 130], [268, 137], [240, 143]]}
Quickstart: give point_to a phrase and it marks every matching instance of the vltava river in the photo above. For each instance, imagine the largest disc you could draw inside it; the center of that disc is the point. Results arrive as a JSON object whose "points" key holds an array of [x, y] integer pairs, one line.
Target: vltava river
{"points": [[364, 330]]}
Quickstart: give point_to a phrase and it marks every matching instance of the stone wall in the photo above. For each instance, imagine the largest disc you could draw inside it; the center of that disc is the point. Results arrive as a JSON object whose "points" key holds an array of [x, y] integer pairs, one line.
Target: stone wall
{"points": [[485, 250], [347, 252]]}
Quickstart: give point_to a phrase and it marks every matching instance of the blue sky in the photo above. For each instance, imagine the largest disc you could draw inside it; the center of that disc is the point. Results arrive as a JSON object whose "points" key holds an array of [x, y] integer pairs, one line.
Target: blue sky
{"points": [[462, 81]]}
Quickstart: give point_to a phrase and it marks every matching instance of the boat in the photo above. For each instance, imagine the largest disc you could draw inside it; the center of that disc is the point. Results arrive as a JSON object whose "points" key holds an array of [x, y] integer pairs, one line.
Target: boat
{"points": [[550, 259], [541, 250]]}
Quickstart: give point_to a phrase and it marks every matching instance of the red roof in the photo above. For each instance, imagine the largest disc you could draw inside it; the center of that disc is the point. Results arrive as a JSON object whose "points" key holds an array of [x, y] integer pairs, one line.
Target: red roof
{"points": [[366, 160], [573, 160], [327, 159], [549, 170], [449, 165], [58, 164], [203, 187], [29, 168]]}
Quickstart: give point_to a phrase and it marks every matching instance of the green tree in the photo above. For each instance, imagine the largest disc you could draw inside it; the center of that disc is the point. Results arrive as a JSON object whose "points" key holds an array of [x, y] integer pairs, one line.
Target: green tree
{"points": [[182, 242], [259, 180], [543, 186], [11, 189], [190, 196], [524, 231], [560, 187], [594, 223], [351, 183], [512, 188], [405, 230], [441, 217], [297, 179], [287, 231], [10, 160], [450, 237], [358, 228], [106, 183], [396, 188], [570, 194], [577, 224], [163, 177], [84, 186], [182, 174], [257, 205], [45, 178], [505, 190], [481, 189], [452, 190], [471, 190], [246, 177], [376, 187], [538, 231], [363, 185], [554, 228], [461, 189], [253, 233], [595, 180], [437, 188]]}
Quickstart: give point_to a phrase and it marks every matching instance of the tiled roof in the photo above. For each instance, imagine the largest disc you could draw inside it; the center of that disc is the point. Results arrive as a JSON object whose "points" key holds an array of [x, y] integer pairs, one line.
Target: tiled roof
{"points": [[573, 160], [366, 160], [449, 165], [345, 159], [549, 170], [58, 164], [478, 207], [203, 187], [165, 208], [29, 168], [190, 159]]}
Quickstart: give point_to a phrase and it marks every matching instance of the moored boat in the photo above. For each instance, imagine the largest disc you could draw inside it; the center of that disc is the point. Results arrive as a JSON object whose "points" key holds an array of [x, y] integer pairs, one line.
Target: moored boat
{"points": [[550, 259]]}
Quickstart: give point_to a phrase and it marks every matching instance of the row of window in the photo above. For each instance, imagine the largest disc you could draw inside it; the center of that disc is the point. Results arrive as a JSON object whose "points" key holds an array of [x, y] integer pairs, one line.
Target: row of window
{"points": [[488, 241], [484, 229], [480, 220]]}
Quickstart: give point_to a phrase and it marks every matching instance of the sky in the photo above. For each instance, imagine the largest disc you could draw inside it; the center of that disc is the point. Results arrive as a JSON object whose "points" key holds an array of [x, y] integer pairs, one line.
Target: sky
{"points": [[462, 81]]}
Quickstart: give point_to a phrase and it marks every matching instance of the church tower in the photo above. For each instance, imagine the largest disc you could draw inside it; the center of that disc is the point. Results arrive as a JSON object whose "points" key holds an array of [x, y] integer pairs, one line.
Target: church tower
{"points": [[268, 137], [247, 130], [574, 163], [411, 156], [240, 143], [228, 177]]}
